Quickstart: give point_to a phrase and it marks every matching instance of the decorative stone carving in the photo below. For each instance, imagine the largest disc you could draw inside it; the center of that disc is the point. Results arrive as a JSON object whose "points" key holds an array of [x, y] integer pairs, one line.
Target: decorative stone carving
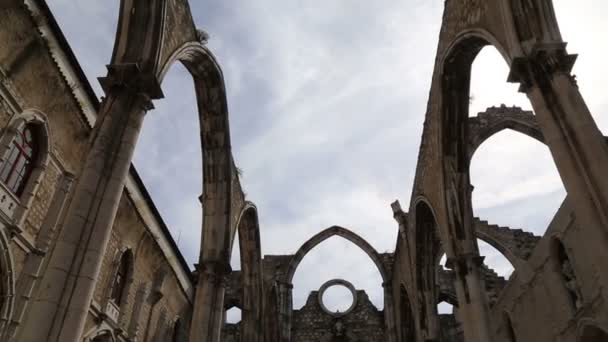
{"points": [[338, 282]]}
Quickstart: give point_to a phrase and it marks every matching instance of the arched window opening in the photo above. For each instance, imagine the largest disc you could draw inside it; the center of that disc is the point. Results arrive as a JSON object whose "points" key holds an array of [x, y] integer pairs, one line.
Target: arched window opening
{"points": [[337, 258], [489, 86], [119, 285], [20, 159], [337, 298], [233, 315], [512, 188], [510, 331], [443, 260], [169, 146], [445, 308], [235, 258], [568, 275]]}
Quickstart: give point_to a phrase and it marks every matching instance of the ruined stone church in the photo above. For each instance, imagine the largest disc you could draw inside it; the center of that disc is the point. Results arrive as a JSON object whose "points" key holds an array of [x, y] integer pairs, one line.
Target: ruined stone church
{"points": [[85, 255]]}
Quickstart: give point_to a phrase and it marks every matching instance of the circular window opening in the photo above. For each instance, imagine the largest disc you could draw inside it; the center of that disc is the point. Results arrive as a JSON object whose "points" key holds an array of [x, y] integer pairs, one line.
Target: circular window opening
{"points": [[338, 298]]}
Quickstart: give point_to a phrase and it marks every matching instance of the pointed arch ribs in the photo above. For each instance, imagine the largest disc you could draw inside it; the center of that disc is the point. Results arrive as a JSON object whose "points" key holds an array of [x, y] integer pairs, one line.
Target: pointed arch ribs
{"points": [[495, 119], [326, 234]]}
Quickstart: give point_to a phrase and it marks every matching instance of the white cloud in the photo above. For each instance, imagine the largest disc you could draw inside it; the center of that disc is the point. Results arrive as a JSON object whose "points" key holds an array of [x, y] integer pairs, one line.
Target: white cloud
{"points": [[327, 102]]}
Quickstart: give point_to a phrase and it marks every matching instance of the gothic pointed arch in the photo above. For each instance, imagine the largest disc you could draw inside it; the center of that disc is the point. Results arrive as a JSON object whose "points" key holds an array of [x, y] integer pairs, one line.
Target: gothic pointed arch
{"points": [[426, 258], [27, 138], [503, 241], [221, 188], [495, 120], [326, 234], [251, 274], [122, 278]]}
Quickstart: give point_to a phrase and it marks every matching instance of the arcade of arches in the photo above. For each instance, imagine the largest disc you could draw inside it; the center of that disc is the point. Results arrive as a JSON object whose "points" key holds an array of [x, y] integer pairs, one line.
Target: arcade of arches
{"points": [[85, 255]]}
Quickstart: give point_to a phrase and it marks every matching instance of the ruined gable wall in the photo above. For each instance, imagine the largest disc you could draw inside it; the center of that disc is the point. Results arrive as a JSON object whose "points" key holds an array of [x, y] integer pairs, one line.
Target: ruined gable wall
{"points": [[538, 303]]}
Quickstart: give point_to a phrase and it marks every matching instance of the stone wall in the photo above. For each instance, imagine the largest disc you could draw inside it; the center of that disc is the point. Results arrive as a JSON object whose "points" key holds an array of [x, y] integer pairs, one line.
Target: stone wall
{"points": [[364, 323], [31, 78]]}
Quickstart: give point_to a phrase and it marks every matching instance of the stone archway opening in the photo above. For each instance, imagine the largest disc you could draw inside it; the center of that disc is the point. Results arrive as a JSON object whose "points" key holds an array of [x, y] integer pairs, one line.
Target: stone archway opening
{"points": [[169, 144], [516, 183], [234, 315], [337, 258], [488, 88]]}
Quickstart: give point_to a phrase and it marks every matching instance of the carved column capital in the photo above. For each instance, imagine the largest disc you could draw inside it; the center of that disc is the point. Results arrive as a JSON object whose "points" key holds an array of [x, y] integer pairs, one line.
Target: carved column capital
{"points": [[216, 272], [129, 77], [541, 64], [464, 259]]}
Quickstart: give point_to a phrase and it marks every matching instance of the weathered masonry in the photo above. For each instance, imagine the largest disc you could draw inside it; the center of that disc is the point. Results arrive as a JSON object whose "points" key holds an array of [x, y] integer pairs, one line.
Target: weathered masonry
{"points": [[85, 256]]}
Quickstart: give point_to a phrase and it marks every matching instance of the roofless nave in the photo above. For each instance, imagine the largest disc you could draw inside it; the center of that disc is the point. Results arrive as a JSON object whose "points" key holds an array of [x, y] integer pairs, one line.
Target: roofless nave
{"points": [[85, 255]]}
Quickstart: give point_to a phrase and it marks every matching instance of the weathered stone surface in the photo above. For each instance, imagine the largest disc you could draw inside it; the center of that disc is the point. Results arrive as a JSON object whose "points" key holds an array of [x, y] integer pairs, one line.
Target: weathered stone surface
{"points": [[85, 210]]}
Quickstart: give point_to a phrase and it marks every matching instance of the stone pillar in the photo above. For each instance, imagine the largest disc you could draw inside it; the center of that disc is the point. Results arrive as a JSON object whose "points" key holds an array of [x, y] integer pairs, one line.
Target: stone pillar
{"points": [[285, 311], [472, 301], [62, 304], [209, 301], [576, 143], [389, 313]]}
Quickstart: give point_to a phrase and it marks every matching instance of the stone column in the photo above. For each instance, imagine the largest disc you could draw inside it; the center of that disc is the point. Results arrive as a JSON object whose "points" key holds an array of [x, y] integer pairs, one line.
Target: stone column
{"points": [[576, 143], [62, 304], [209, 301], [472, 301], [285, 310], [389, 313]]}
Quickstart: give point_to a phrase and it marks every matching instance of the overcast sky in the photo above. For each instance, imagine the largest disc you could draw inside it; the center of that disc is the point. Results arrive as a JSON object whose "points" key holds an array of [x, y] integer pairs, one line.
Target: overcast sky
{"points": [[327, 100]]}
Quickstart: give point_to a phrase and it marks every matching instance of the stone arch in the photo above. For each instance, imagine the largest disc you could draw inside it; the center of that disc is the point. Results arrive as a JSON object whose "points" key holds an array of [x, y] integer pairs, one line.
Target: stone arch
{"points": [[218, 165], [43, 132], [126, 255], [527, 35], [7, 281], [501, 246], [149, 34], [251, 273], [152, 35], [495, 120], [456, 70], [426, 258], [326, 234]]}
